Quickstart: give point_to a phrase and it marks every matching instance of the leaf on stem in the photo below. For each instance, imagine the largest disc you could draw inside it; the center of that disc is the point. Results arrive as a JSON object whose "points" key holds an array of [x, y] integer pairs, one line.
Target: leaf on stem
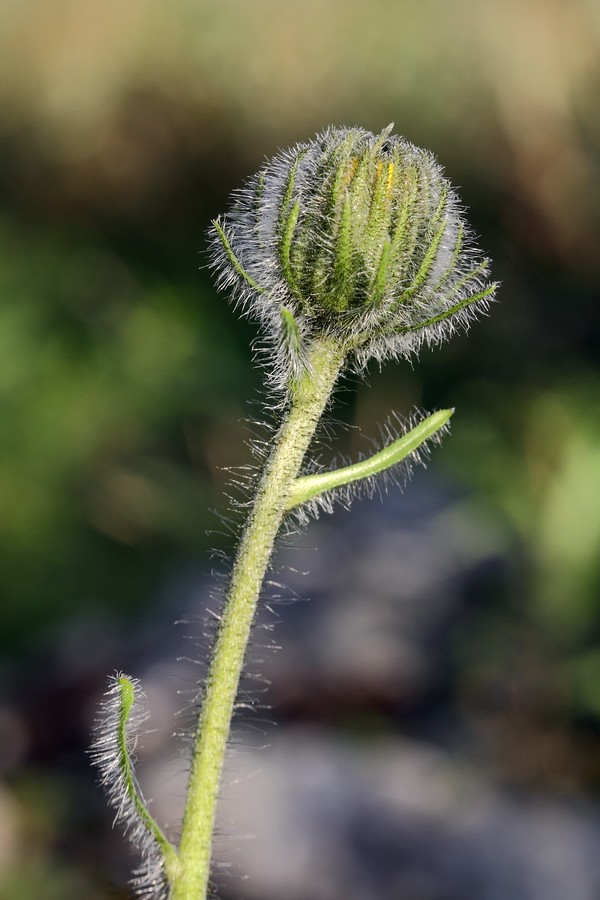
{"points": [[112, 751], [310, 487]]}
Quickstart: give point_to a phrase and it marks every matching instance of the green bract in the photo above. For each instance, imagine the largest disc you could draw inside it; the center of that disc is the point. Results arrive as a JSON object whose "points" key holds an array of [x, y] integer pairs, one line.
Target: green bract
{"points": [[353, 235]]}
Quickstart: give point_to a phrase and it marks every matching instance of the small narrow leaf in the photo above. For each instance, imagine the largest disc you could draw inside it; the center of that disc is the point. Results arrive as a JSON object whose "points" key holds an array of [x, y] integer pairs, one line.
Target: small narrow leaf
{"points": [[310, 486], [474, 298], [291, 333], [112, 752], [233, 258], [286, 244]]}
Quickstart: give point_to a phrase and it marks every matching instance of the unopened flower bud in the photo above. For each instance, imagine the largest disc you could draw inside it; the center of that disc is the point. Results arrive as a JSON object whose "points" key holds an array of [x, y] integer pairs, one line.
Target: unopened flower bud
{"points": [[353, 235]]}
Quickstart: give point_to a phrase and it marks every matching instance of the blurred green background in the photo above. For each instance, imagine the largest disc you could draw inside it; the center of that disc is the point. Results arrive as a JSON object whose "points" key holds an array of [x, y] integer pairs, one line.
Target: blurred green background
{"points": [[125, 378]]}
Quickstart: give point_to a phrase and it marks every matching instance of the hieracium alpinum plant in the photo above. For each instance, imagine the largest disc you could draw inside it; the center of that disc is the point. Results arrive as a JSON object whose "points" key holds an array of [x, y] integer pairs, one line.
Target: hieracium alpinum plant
{"points": [[350, 247]]}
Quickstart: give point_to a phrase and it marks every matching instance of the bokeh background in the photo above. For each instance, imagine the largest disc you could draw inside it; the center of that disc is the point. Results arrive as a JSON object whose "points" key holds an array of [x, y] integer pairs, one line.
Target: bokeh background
{"points": [[438, 699]]}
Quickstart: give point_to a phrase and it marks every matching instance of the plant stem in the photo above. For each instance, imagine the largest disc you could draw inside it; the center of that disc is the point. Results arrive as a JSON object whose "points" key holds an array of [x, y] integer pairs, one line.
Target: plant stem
{"points": [[309, 398]]}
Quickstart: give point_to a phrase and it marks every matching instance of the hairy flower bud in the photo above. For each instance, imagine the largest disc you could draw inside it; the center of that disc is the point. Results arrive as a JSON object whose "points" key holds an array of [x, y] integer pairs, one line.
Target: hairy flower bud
{"points": [[353, 235]]}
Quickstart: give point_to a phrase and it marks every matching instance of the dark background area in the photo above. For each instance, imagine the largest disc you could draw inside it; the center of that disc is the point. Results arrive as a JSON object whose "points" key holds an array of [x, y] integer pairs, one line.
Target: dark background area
{"points": [[438, 699]]}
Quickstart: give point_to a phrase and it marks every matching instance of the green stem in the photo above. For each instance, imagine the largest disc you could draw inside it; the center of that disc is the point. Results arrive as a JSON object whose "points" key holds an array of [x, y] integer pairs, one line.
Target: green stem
{"points": [[309, 398]]}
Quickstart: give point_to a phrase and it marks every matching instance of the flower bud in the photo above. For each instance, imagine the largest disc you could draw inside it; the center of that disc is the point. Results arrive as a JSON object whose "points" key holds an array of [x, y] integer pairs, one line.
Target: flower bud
{"points": [[356, 236]]}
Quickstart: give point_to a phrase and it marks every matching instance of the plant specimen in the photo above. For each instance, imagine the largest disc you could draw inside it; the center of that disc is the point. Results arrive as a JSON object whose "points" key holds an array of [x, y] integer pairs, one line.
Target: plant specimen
{"points": [[350, 247]]}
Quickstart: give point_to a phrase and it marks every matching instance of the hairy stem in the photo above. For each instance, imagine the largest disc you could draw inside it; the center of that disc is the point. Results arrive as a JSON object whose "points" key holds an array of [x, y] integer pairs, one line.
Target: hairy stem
{"points": [[309, 398]]}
